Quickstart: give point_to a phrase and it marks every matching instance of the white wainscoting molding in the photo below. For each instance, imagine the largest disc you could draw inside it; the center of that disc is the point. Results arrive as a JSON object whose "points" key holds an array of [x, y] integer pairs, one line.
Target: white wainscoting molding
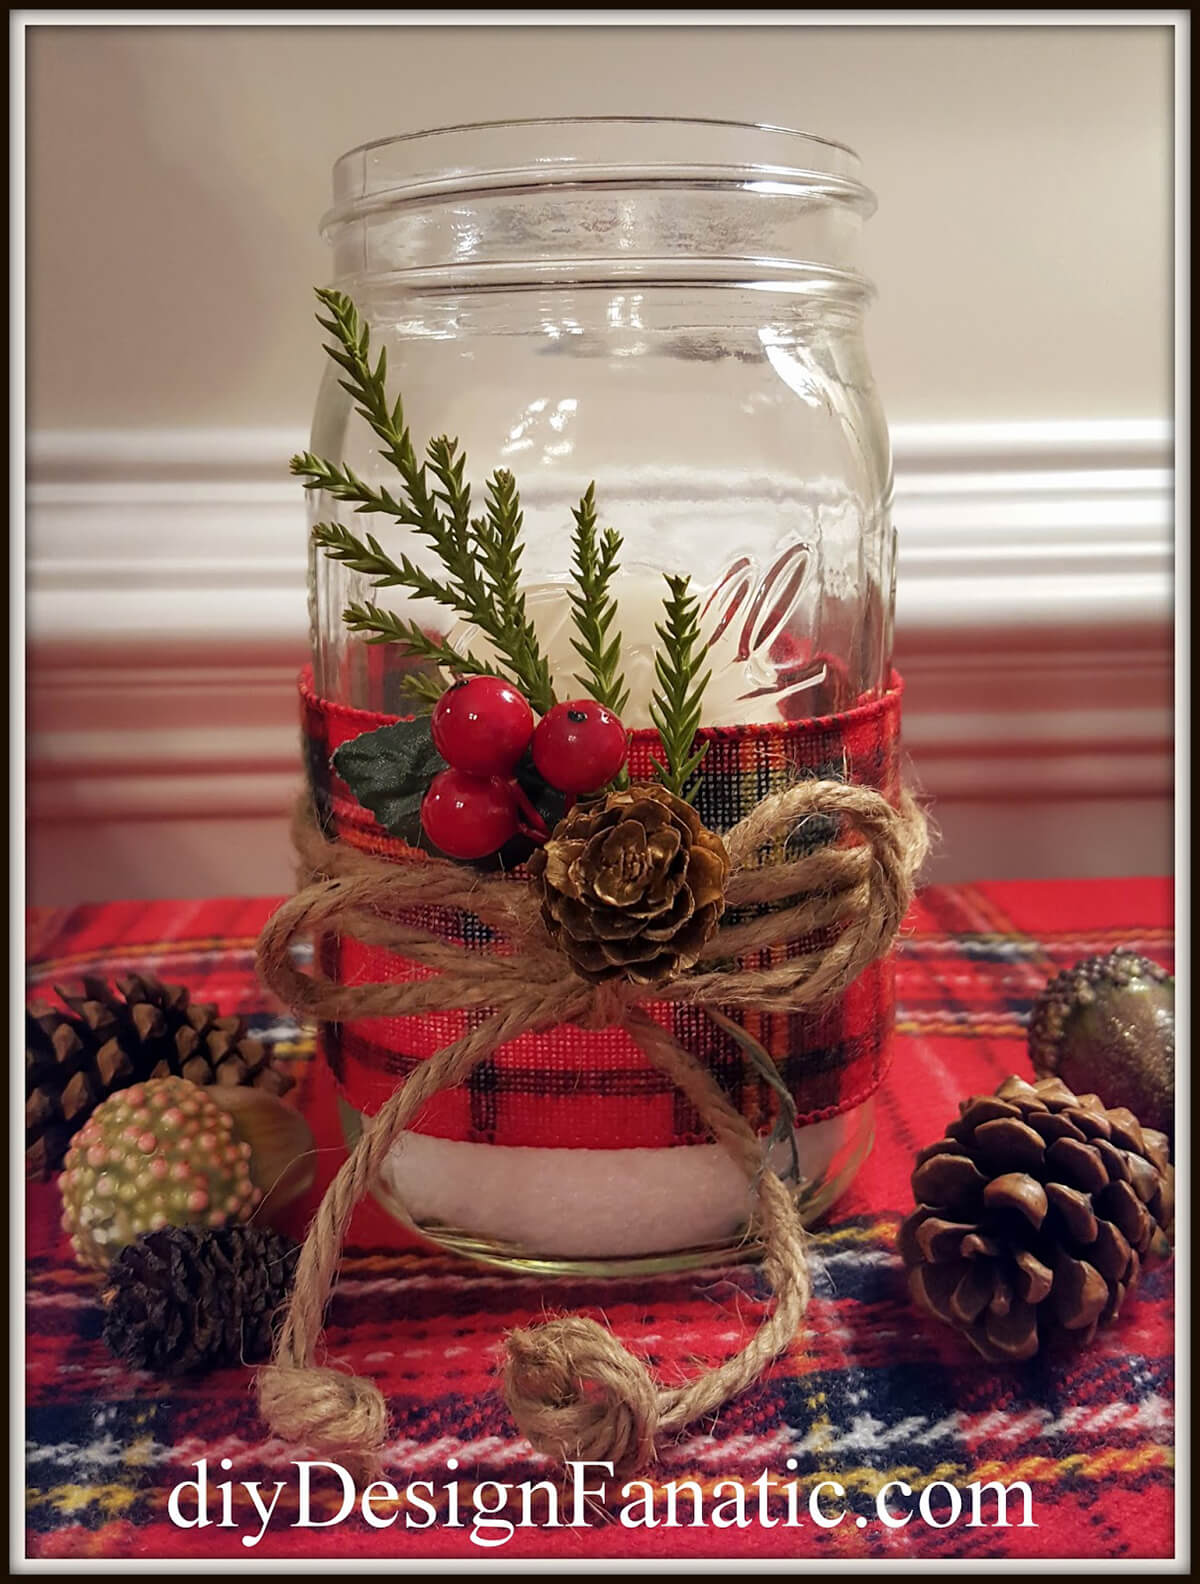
{"points": [[166, 621]]}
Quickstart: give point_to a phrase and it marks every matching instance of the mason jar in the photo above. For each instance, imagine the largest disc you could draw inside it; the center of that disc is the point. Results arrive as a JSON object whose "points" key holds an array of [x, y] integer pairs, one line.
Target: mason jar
{"points": [[672, 309]]}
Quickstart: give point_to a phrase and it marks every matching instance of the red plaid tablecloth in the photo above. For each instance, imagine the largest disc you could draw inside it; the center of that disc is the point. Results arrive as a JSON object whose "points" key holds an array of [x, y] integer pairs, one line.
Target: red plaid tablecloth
{"points": [[871, 1391]]}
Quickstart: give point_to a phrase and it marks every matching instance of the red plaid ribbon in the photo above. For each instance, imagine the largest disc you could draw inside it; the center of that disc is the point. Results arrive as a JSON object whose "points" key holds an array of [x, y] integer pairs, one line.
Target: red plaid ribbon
{"points": [[568, 1087]]}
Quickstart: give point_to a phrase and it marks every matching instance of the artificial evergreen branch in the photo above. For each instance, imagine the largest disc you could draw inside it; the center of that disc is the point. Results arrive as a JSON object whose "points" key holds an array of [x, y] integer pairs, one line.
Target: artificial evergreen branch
{"points": [[385, 626], [426, 689], [480, 556], [594, 610], [446, 463], [497, 540], [372, 560], [345, 485], [679, 691]]}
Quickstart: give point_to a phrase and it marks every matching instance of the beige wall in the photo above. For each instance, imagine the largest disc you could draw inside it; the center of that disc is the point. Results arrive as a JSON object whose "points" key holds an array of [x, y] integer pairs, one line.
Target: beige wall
{"points": [[1023, 254], [1022, 247]]}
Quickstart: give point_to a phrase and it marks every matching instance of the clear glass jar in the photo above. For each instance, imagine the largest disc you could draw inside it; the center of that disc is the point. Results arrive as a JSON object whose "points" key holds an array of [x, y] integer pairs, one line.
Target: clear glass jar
{"points": [[672, 309]]}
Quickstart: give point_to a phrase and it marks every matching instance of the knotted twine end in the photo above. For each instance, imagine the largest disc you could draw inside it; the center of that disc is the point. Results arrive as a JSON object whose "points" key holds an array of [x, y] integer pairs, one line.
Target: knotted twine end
{"points": [[577, 1395], [344, 1416]]}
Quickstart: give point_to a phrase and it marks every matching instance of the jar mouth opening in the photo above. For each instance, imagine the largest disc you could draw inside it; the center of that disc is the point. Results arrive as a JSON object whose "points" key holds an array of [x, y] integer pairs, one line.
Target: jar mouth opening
{"points": [[575, 150]]}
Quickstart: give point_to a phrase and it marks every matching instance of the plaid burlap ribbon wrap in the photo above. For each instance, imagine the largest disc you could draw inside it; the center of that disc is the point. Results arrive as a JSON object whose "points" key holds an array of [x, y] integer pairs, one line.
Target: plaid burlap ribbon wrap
{"points": [[800, 931], [569, 1087]]}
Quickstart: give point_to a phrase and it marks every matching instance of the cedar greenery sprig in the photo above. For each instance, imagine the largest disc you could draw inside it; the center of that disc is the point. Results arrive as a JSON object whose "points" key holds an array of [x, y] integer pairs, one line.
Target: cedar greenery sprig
{"points": [[372, 560], [679, 693], [481, 558], [594, 609], [498, 540], [480, 555], [384, 626]]}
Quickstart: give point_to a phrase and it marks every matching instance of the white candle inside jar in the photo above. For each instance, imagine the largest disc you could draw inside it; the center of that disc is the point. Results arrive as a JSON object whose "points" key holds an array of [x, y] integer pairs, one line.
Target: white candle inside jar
{"points": [[603, 1205], [742, 624]]}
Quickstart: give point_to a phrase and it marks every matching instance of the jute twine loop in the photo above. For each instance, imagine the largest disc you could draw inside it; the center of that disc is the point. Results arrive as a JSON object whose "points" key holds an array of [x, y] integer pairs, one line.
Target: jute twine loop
{"points": [[573, 1390], [576, 1393]]}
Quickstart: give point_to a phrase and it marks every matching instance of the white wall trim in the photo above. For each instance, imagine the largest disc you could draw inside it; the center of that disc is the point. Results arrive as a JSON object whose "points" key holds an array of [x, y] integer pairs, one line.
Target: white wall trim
{"points": [[167, 617], [200, 534]]}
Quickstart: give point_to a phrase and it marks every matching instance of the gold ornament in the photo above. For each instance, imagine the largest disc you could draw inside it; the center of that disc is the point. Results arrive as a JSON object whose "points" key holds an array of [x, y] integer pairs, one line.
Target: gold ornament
{"points": [[1108, 1024]]}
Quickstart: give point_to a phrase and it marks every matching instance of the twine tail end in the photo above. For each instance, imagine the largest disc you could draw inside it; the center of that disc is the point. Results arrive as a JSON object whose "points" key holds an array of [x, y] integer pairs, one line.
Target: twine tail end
{"points": [[343, 1416], [577, 1395]]}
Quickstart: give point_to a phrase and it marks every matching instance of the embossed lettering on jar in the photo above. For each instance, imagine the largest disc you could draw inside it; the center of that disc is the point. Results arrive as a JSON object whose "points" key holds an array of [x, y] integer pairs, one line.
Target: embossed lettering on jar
{"points": [[672, 309]]}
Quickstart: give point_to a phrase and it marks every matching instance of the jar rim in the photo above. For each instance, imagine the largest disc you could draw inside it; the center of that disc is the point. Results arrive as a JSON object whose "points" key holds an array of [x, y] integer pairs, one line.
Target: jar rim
{"points": [[612, 149]]}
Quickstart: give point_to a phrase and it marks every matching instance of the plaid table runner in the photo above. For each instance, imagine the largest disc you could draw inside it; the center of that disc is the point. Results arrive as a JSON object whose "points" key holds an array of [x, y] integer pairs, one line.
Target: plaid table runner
{"points": [[870, 1392]]}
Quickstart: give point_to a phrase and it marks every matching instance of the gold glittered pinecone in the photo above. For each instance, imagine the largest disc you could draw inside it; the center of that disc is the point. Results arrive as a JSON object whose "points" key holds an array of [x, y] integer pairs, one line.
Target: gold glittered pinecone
{"points": [[632, 886], [1108, 1023], [1034, 1216], [76, 1057]]}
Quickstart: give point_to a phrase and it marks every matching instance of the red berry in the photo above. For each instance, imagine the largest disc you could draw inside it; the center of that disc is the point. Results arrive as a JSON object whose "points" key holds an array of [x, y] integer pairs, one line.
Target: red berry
{"points": [[468, 816], [578, 746], [482, 725]]}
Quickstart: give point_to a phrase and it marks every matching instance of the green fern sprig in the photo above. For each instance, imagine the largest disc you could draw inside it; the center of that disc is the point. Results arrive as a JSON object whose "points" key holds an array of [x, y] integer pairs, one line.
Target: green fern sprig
{"points": [[679, 691], [368, 557], [367, 386], [499, 547], [593, 608], [384, 626], [345, 485], [480, 556], [447, 463]]}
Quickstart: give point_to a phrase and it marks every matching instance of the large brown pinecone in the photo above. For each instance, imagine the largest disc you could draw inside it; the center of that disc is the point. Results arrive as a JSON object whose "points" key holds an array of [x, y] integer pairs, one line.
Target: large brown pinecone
{"points": [[189, 1298], [76, 1058], [632, 886], [1034, 1215]]}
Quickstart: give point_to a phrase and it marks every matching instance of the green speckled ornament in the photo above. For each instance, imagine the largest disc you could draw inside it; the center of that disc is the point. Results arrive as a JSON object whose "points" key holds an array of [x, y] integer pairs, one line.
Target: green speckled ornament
{"points": [[159, 1154], [1107, 1026]]}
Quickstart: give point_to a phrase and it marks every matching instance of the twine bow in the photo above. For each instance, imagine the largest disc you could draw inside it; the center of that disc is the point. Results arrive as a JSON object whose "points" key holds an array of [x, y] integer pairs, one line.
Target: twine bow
{"points": [[573, 1390]]}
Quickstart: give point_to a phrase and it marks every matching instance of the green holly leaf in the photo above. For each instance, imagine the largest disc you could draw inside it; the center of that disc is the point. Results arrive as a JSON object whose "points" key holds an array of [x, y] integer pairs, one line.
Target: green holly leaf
{"points": [[389, 772]]}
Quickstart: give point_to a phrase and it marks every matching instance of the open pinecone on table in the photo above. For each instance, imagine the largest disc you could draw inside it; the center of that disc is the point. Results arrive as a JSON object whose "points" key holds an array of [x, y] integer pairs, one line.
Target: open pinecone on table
{"points": [[632, 886], [76, 1057], [1034, 1215], [184, 1299]]}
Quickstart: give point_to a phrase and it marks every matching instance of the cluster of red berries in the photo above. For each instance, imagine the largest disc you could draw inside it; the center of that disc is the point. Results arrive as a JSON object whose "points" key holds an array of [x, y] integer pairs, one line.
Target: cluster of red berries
{"points": [[482, 727]]}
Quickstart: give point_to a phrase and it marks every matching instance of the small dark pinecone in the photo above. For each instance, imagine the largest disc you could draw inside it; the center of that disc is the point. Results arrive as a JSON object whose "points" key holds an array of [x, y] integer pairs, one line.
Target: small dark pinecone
{"points": [[184, 1299], [76, 1058], [1034, 1216]]}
